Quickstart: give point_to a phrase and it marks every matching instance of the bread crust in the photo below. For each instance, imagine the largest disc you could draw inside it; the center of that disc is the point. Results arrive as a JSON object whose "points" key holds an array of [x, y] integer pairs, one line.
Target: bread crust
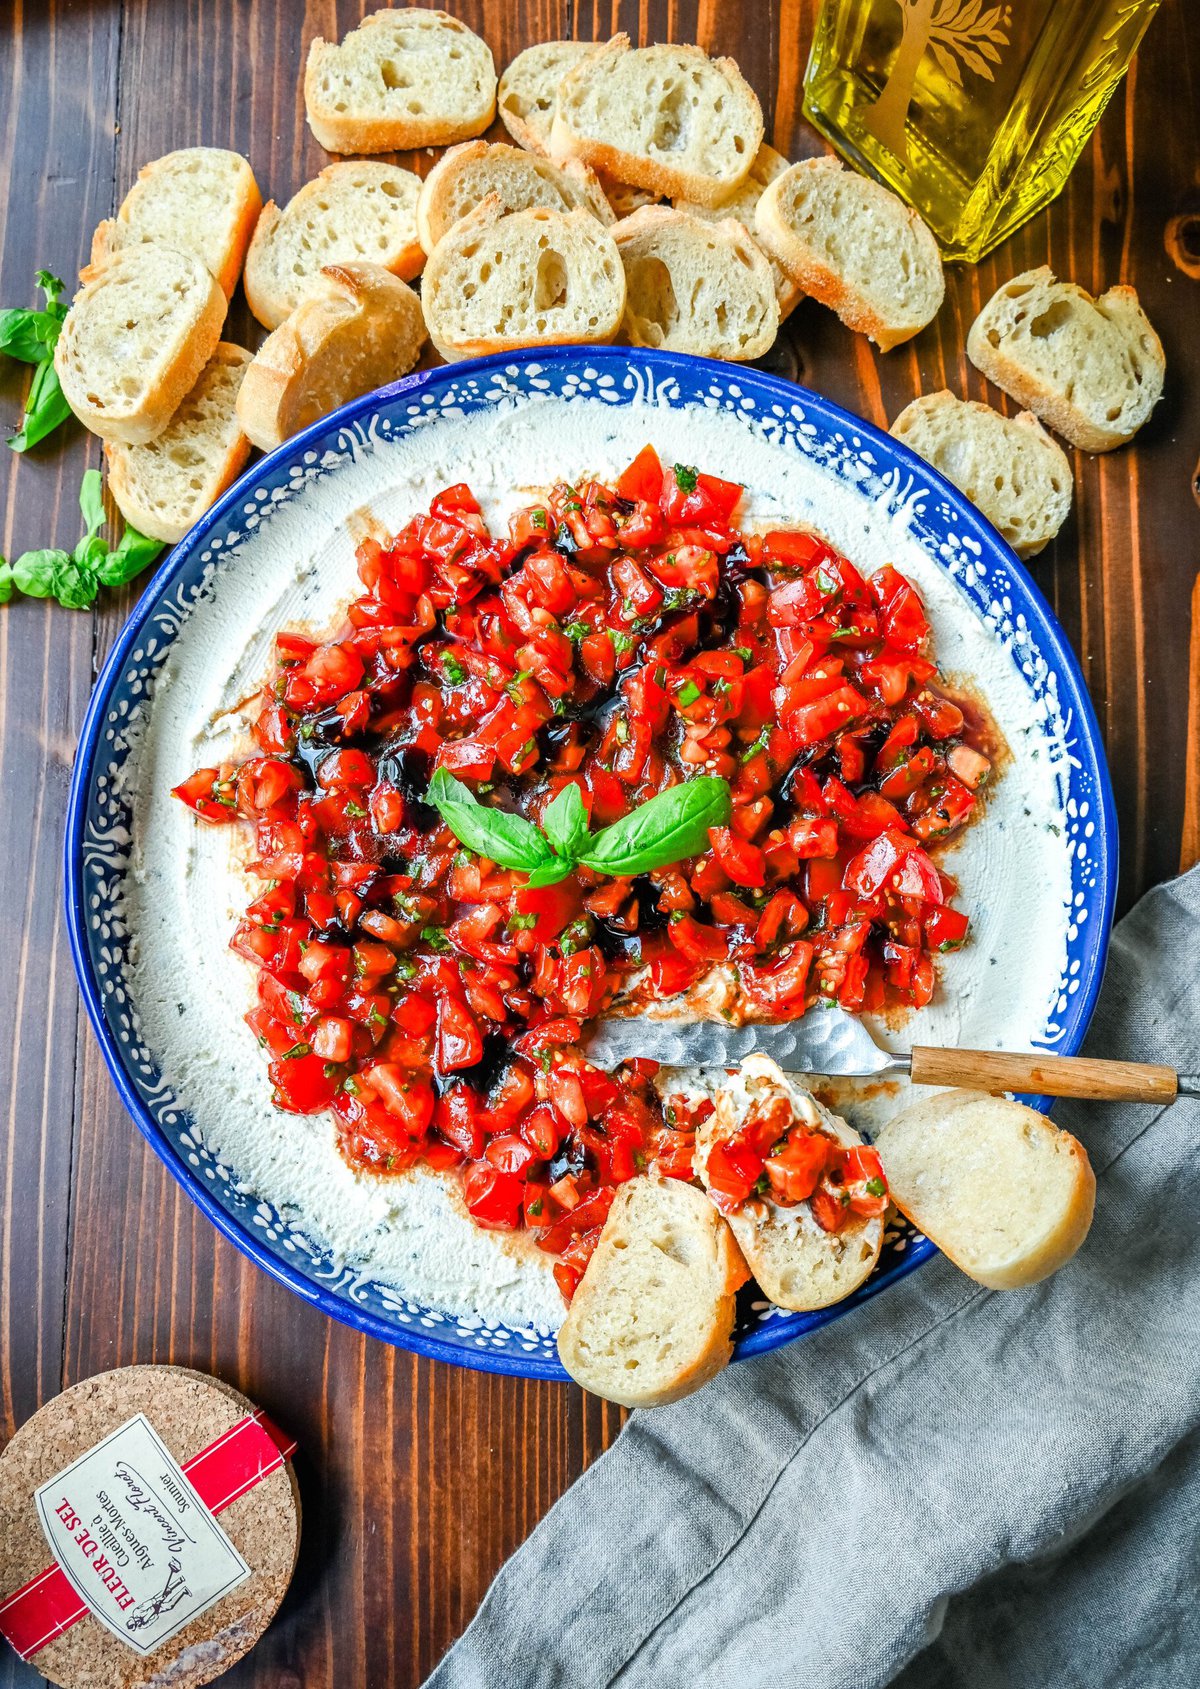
{"points": [[1022, 434], [488, 213], [647, 234], [271, 307], [359, 308], [640, 170], [577, 183], [912, 1137], [138, 424], [827, 284], [523, 133], [123, 486], [782, 1247], [363, 132], [1006, 369], [107, 240], [729, 1273]]}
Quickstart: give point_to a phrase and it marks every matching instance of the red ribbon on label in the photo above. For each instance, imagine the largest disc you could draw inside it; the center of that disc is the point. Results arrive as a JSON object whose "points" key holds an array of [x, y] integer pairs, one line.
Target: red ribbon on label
{"points": [[241, 1457]]}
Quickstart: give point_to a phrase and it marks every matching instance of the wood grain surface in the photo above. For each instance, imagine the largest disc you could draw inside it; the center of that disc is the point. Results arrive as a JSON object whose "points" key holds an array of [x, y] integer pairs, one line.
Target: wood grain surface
{"points": [[419, 1479]]}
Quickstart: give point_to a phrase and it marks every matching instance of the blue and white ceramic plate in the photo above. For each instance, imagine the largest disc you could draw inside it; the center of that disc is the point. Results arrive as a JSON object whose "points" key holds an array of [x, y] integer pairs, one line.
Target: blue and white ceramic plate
{"points": [[572, 409]]}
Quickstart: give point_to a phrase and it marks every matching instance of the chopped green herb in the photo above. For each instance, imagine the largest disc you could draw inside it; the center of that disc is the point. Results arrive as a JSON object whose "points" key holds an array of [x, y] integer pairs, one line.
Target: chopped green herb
{"points": [[685, 478], [687, 694]]}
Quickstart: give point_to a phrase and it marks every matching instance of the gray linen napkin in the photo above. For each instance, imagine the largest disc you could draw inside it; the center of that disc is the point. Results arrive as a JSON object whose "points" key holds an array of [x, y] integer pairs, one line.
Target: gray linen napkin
{"points": [[1000, 1488]]}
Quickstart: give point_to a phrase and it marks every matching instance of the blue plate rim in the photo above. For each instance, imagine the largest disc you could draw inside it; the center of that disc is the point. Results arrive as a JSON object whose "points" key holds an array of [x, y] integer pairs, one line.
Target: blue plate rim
{"points": [[832, 416]]}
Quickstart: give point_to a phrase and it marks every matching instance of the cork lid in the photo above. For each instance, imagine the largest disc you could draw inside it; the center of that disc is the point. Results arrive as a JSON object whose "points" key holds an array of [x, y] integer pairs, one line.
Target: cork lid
{"points": [[131, 1537]]}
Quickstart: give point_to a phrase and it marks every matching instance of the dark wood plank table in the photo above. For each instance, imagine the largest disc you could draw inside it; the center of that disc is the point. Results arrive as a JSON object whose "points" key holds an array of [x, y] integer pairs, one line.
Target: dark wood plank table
{"points": [[419, 1479]]}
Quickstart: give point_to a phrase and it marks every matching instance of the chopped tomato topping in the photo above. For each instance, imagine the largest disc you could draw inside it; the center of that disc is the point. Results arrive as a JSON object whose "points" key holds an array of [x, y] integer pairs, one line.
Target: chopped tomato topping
{"points": [[619, 639]]}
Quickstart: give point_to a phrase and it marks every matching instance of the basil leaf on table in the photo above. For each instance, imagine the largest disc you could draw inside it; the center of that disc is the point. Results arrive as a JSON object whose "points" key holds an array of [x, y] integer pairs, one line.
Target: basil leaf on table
{"points": [[30, 337], [128, 558], [45, 409], [665, 829], [565, 823], [6, 581], [34, 572], [507, 839], [75, 582], [91, 501]]}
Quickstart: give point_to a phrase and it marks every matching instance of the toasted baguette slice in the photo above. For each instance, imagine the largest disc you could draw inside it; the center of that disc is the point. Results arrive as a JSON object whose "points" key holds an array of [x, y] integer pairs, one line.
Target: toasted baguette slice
{"points": [[623, 198], [165, 486], [1008, 465], [668, 119], [501, 279], [357, 327], [202, 200], [404, 78], [357, 212], [694, 286], [529, 89], [139, 331], [1092, 369], [796, 1263], [853, 245], [652, 1319], [742, 204], [465, 176], [999, 1189]]}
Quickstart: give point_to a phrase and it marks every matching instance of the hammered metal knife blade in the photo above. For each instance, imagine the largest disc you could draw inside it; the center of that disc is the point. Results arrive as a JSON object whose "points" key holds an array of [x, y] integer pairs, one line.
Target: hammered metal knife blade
{"points": [[831, 1042]]}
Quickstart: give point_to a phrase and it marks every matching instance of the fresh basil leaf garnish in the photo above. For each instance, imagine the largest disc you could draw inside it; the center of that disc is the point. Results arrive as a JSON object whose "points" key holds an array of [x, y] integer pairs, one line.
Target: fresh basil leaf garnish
{"points": [[665, 829], [507, 839], [565, 823], [549, 874]]}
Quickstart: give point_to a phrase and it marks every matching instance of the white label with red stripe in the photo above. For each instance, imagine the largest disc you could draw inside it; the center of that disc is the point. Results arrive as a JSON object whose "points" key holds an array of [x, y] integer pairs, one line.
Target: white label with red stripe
{"points": [[139, 1546]]}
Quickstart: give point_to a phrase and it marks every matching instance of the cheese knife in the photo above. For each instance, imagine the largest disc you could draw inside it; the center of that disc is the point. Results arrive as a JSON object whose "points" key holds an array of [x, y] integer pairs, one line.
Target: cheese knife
{"points": [[830, 1042]]}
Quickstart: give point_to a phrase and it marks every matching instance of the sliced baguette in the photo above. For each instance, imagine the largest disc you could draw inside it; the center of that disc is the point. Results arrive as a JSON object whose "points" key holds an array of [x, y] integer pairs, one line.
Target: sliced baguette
{"points": [[652, 1319], [465, 176], [499, 280], [796, 1264], [623, 198], [742, 204], [1092, 369], [695, 286], [139, 331], [665, 118], [165, 486], [356, 212], [404, 78], [850, 243], [999, 1189], [357, 327], [202, 200], [1007, 465], [529, 89]]}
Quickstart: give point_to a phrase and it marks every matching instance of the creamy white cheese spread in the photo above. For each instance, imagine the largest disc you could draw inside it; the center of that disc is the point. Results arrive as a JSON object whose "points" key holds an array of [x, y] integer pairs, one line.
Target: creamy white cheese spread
{"points": [[186, 886]]}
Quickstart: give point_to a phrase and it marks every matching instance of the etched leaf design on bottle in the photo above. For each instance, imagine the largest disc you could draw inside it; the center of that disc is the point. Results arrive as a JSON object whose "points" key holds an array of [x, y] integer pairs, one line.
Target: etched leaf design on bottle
{"points": [[958, 34]]}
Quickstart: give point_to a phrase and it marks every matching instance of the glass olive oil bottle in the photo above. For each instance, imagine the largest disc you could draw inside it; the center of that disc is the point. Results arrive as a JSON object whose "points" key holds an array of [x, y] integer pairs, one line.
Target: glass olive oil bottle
{"points": [[973, 111]]}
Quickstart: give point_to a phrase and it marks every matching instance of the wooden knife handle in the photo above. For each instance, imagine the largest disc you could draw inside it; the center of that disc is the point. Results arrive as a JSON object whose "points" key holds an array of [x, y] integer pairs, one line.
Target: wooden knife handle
{"points": [[1052, 1076]]}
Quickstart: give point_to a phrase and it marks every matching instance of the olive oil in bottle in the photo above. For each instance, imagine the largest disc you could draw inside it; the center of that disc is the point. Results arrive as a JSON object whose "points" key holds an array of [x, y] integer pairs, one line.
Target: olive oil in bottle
{"points": [[973, 110]]}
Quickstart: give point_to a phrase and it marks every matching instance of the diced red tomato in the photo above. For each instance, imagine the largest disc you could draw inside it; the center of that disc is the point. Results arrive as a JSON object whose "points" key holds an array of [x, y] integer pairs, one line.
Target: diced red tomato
{"points": [[621, 639]]}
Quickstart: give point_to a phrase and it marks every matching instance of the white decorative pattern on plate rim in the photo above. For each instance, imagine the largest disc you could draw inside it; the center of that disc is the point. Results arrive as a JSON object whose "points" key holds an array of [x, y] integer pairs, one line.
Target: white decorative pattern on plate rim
{"points": [[98, 828]]}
